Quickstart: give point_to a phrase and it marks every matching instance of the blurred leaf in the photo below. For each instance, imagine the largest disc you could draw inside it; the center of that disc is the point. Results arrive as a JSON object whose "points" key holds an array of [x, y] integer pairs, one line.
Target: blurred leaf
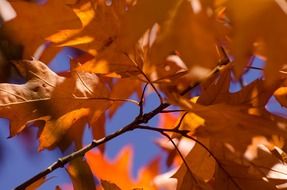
{"points": [[178, 33], [109, 186], [81, 175], [281, 95], [33, 34], [118, 170], [37, 184], [254, 28]]}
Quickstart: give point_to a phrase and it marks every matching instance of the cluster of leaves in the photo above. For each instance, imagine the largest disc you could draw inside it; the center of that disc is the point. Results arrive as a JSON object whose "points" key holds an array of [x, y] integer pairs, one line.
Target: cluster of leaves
{"points": [[219, 140]]}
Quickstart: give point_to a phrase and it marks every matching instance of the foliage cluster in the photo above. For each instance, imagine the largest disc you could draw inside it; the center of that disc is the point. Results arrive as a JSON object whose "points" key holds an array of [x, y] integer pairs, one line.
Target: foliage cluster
{"points": [[187, 52]]}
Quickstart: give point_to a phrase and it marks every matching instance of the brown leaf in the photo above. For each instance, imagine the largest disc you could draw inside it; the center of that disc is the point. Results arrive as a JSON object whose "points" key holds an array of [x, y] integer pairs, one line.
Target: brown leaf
{"points": [[244, 110], [236, 173], [61, 102], [232, 122], [201, 168], [81, 175], [109, 186]]}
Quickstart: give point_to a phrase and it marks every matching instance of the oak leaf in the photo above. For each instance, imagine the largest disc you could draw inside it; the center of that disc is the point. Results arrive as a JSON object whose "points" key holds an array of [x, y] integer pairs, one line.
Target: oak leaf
{"points": [[231, 122], [201, 168], [60, 102], [121, 166], [244, 110]]}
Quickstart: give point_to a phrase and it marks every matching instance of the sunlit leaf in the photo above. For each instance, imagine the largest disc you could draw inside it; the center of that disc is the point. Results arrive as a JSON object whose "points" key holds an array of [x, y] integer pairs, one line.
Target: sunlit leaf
{"points": [[33, 34]]}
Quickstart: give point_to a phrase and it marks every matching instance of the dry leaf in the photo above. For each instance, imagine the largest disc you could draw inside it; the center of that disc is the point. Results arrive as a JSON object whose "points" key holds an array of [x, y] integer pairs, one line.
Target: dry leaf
{"points": [[60, 102]]}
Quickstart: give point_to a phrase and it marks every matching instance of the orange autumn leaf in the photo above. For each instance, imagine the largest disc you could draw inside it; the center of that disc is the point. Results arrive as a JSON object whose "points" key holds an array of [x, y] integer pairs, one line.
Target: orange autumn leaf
{"points": [[100, 26], [109, 186], [130, 86], [33, 34], [121, 167], [37, 184], [185, 23], [254, 28], [167, 120], [281, 96]]}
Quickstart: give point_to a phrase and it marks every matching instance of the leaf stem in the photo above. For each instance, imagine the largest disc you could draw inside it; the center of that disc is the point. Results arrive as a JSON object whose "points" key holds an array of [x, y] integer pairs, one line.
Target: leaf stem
{"points": [[108, 99]]}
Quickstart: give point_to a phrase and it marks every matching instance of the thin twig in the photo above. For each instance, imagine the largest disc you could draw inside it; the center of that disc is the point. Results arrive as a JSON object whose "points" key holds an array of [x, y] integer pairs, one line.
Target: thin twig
{"points": [[176, 128], [142, 100], [146, 77], [181, 156]]}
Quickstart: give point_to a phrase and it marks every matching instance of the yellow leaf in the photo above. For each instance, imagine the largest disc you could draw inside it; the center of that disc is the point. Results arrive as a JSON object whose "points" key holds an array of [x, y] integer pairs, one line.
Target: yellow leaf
{"points": [[54, 130], [281, 96]]}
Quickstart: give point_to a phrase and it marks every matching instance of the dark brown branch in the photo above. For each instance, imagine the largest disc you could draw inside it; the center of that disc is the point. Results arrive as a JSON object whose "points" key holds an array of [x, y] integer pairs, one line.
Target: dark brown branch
{"points": [[141, 102], [80, 153], [171, 111]]}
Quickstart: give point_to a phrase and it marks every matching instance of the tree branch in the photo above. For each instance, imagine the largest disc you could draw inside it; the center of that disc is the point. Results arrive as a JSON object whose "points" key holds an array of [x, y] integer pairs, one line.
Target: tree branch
{"points": [[135, 124], [61, 162]]}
